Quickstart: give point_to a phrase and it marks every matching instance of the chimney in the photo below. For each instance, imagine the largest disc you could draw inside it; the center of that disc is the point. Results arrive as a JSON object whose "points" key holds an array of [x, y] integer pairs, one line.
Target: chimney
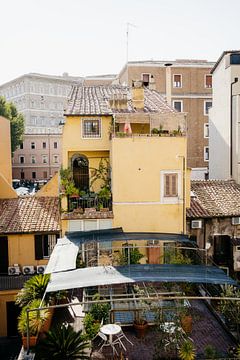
{"points": [[168, 83], [138, 95], [152, 83]]}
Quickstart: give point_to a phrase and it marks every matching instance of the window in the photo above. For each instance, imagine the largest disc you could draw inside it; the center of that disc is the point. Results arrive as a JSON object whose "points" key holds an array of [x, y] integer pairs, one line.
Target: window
{"points": [[145, 79], [21, 146], [55, 159], [171, 185], [44, 245], [33, 145], [44, 145], [45, 174], [177, 81], [33, 159], [208, 81], [206, 130], [207, 106], [235, 59], [44, 159], [55, 145], [21, 159], [206, 153], [22, 175], [178, 105], [91, 129], [33, 175]]}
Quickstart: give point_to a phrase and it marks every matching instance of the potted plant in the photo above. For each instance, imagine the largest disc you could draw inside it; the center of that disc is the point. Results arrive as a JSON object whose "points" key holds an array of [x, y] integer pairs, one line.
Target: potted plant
{"points": [[36, 319], [186, 319], [140, 324], [63, 343], [100, 311], [187, 351], [33, 288]]}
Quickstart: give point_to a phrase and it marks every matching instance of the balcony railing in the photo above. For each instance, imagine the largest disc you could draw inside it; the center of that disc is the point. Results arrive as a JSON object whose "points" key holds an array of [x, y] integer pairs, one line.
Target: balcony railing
{"points": [[16, 282], [83, 203]]}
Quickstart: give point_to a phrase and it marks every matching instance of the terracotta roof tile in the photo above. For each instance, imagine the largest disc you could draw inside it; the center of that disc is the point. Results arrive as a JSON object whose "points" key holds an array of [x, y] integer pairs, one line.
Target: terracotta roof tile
{"points": [[95, 100], [29, 214], [214, 198]]}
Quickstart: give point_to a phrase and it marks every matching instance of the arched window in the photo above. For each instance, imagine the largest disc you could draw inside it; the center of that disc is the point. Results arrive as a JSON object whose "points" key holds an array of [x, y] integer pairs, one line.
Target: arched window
{"points": [[80, 168]]}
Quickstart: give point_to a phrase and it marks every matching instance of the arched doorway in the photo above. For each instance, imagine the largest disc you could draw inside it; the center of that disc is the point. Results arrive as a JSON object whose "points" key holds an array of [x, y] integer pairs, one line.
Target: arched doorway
{"points": [[80, 168]]}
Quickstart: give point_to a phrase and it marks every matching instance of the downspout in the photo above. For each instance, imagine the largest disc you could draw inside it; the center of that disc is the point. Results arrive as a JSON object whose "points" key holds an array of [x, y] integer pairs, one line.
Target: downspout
{"points": [[231, 125]]}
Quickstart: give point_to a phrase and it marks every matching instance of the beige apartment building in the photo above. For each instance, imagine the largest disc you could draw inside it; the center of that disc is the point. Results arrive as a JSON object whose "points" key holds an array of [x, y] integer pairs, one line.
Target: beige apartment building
{"points": [[187, 86], [39, 156]]}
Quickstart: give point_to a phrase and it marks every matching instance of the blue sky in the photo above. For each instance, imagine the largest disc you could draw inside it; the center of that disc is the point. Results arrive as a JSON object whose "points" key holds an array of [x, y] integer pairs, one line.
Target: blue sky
{"points": [[86, 37]]}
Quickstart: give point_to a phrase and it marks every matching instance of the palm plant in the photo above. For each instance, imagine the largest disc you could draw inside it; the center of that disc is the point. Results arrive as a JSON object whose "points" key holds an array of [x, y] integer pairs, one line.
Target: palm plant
{"points": [[187, 351], [33, 288], [62, 343], [36, 318]]}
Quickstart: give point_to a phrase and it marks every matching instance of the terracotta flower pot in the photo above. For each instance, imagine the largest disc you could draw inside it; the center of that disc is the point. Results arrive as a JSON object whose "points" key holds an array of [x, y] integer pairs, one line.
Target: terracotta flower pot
{"points": [[186, 322], [140, 329], [32, 341]]}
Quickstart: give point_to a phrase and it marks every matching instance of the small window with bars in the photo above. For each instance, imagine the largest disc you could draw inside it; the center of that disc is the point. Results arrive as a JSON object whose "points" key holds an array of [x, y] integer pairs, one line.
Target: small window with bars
{"points": [[177, 81], [91, 128], [171, 185]]}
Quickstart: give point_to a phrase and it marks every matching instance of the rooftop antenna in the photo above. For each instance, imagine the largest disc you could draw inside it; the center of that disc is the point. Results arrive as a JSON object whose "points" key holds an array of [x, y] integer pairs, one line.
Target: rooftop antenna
{"points": [[128, 25]]}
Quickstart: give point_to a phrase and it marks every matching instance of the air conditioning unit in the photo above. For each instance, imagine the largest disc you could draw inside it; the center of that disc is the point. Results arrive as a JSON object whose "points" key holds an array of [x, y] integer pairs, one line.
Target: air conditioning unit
{"points": [[41, 269], [196, 224], [236, 220], [14, 270], [28, 269]]}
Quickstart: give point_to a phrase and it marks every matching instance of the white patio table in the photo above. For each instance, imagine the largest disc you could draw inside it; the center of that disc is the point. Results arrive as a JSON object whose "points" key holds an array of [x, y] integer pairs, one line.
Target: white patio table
{"points": [[110, 330]]}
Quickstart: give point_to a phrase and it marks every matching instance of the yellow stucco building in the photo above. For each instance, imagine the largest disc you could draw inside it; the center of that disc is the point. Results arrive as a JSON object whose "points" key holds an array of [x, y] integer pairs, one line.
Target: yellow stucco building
{"points": [[144, 141], [29, 227]]}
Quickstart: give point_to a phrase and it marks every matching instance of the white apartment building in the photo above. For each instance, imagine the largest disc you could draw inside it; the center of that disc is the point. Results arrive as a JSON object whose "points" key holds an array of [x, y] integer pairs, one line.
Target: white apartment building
{"points": [[42, 100], [224, 118]]}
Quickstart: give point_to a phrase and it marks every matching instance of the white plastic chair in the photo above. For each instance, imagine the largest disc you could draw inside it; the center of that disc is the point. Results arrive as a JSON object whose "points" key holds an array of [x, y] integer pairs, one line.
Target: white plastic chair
{"points": [[106, 342], [120, 336]]}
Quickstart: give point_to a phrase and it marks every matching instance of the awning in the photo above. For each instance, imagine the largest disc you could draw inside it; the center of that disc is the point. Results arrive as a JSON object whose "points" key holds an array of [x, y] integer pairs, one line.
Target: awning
{"points": [[117, 234], [63, 256], [65, 251], [109, 275]]}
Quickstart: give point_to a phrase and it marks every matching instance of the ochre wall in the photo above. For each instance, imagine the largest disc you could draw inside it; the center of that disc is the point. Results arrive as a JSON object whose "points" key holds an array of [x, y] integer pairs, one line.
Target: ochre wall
{"points": [[136, 183], [5, 150], [5, 296], [73, 141], [21, 250], [6, 190], [51, 188]]}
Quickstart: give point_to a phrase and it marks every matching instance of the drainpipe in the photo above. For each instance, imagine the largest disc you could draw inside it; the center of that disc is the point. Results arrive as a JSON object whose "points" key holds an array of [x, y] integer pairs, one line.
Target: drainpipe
{"points": [[168, 83], [231, 125]]}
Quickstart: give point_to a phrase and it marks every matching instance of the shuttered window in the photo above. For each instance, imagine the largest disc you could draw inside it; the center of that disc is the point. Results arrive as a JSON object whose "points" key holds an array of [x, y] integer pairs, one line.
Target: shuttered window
{"points": [[208, 81], [177, 80], [170, 185], [44, 245]]}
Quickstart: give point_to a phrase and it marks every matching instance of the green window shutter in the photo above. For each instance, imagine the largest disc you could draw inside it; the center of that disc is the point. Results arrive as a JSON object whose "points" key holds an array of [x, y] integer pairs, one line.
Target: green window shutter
{"points": [[38, 247]]}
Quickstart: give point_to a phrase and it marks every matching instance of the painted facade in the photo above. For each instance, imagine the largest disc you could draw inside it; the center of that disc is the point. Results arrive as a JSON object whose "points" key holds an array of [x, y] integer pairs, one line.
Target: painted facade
{"points": [[224, 118], [187, 86], [138, 160]]}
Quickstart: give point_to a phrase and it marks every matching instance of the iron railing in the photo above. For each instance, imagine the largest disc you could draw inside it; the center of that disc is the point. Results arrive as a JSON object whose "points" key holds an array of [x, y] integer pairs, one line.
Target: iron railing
{"points": [[13, 282], [83, 203]]}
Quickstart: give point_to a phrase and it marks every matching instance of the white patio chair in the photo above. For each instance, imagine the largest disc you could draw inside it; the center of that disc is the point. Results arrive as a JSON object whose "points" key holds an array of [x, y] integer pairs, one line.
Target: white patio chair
{"points": [[106, 342], [121, 336]]}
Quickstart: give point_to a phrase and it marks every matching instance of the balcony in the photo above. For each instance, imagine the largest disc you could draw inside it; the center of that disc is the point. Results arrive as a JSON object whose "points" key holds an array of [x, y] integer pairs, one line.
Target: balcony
{"points": [[89, 206], [13, 282]]}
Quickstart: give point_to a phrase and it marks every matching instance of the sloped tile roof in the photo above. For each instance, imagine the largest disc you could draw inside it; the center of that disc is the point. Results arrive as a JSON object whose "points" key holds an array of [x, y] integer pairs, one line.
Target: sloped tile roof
{"points": [[214, 198], [95, 100], [29, 214]]}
